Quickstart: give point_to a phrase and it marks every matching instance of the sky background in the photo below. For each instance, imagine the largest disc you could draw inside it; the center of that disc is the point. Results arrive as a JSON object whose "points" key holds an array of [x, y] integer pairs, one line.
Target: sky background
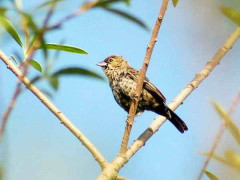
{"points": [[37, 146]]}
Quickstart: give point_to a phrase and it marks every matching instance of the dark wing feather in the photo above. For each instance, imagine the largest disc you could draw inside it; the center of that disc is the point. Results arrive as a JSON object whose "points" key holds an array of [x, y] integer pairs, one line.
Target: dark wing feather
{"points": [[153, 90]]}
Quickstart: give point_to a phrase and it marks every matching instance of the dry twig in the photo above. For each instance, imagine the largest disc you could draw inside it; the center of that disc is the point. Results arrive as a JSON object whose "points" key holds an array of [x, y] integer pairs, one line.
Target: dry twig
{"points": [[134, 104]]}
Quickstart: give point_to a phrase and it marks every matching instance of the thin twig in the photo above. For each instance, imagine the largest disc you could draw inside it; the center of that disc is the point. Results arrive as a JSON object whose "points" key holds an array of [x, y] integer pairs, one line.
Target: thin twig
{"points": [[219, 136], [9, 109], [134, 103], [113, 168], [76, 13], [62, 118], [234, 104], [49, 14], [12, 102], [185, 92]]}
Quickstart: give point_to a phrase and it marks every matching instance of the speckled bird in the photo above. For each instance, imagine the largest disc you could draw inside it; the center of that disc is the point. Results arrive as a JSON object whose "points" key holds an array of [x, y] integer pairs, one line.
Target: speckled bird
{"points": [[123, 82]]}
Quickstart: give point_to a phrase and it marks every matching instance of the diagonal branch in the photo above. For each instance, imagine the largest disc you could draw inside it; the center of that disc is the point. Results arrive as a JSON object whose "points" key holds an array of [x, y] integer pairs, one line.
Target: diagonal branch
{"points": [[134, 104], [122, 159], [62, 118], [159, 120]]}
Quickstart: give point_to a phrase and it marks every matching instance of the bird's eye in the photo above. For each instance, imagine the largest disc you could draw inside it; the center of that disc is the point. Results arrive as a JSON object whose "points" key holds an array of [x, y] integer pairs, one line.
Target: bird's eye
{"points": [[110, 60]]}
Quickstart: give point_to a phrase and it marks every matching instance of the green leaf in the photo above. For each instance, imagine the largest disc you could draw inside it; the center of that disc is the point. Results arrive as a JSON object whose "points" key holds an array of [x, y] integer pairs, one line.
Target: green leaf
{"points": [[127, 16], [15, 60], [35, 65], [77, 71], [232, 158], [175, 2], [36, 79], [10, 29], [228, 160], [54, 82], [232, 14], [107, 3], [48, 3], [38, 42], [29, 21], [211, 175], [66, 48], [2, 172], [2, 11], [47, 93], [233, 129]]}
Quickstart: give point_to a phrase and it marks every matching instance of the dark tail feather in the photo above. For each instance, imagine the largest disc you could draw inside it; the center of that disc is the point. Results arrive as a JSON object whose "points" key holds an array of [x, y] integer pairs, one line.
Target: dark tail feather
{"points": [[175, 120]]}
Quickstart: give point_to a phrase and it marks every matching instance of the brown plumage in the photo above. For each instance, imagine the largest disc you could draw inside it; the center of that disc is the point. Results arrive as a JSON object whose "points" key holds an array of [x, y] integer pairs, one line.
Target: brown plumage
{"points": [[123, 81]]}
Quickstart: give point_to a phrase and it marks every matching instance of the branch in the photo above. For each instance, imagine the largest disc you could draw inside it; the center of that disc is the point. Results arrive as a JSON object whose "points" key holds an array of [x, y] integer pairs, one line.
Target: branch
{"points": [[159, 120], [219, 136], [122, 159], [134, 103], [62, 118], [9, 109], [74, 14]]}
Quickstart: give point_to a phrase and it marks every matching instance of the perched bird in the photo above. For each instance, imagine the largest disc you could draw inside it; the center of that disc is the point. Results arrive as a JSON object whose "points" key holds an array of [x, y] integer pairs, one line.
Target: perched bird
{"points": [[123, 81]]}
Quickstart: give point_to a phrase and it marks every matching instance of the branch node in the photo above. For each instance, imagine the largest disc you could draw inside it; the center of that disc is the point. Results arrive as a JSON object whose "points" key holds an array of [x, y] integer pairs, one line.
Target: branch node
{"points": [[160, 18]]}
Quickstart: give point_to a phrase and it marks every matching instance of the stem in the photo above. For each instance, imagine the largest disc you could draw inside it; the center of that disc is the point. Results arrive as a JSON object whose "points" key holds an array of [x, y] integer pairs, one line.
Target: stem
{"points": [[156, 124], [62, 118], [9, 109], [122, 159], [134, 103], [219, 136], [77, 12]]}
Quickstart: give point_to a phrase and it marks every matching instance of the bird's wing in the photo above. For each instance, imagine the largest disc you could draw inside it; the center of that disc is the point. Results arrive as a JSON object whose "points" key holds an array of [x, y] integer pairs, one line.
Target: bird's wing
{"points": [[153, 90]]}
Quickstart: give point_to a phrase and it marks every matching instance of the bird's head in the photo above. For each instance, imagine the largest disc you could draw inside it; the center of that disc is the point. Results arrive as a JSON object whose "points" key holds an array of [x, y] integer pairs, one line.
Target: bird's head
{"points": [[113, 62]]}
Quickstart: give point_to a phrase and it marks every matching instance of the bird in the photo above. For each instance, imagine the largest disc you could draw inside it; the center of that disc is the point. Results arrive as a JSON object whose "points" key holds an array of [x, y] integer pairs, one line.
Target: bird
{"points": [[123, 81]]}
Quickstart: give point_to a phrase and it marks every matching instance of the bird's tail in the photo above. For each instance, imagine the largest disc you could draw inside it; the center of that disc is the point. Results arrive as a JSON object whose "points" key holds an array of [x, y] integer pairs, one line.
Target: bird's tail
{"points": [[175, 120]]}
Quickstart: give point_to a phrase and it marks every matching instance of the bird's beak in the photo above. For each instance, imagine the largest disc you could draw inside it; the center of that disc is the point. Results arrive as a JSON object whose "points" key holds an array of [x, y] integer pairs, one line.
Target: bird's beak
{"points": [[102, 64]]}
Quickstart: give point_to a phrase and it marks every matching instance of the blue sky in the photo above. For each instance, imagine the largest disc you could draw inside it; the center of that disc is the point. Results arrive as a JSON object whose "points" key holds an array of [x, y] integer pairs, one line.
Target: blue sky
{"points": [[38, 147]]}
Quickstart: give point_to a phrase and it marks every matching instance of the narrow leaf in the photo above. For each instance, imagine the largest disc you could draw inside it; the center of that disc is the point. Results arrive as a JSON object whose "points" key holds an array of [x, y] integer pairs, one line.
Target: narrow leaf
{"points": [[54, 82], [224, 161], [38, 42], [175, 2], [127, 16], [233, 129], [232, 14], [48, 3], [211, 175], [36, 79], [218, 158], [10, 29], [47, 93], [77, 71], [15, 60], [66, 48], [233, 158], [107, 3], [2, 11], [35, 65]]}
